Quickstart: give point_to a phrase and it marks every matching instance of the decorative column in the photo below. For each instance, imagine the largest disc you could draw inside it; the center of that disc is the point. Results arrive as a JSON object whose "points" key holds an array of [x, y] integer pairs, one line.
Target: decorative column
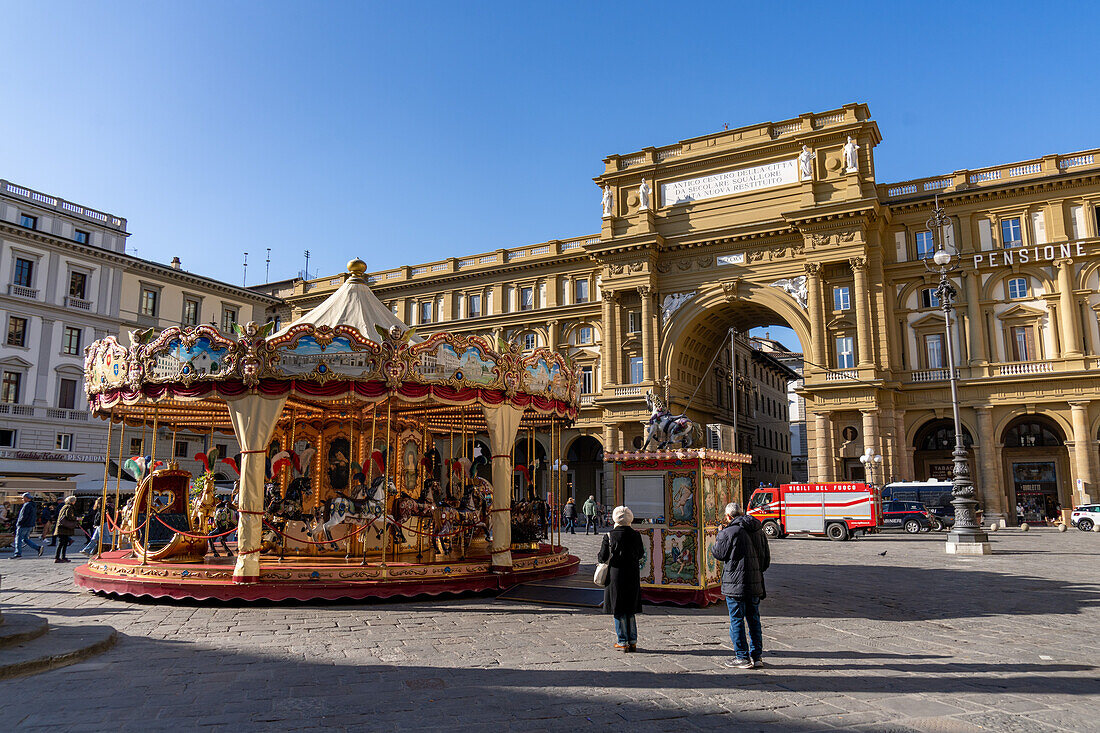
{"points": [[649, 359], [903, 466], [1067, 305], [552, 335], [993, 495], [863, 328], [610, 347], [870, 432], [1083, 448], [817, 316], [823, 448], [975, 326]]}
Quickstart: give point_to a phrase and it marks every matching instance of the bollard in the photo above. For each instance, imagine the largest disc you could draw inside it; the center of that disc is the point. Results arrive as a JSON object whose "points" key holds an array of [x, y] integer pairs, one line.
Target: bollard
{"points": [[1025, 527], [1096, 527], [994, 527], [1061, 528], [1004, 524]]}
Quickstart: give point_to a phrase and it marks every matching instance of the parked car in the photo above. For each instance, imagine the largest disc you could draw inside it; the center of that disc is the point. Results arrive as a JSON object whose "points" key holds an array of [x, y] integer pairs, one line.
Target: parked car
{"points": [[911, 516], [1085, 517], [936, 495]]}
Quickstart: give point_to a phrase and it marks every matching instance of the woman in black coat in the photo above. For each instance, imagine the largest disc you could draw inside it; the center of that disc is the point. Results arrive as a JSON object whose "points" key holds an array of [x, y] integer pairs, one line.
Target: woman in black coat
{"points": [[622, 550]]}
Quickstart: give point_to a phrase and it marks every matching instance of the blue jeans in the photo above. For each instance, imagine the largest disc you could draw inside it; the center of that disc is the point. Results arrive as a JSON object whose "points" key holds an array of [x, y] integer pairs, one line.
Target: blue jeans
{"points": [[571, 525], [23, 537], [626, 628], [745, 612]]}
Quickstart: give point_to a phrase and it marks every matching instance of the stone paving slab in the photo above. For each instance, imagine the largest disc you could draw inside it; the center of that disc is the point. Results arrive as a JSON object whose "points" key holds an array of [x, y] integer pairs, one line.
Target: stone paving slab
{"points": [[914, 640]]}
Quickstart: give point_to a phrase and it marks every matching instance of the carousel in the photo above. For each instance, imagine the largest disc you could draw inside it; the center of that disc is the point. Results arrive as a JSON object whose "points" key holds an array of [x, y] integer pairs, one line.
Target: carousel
{"points": [[362, 467]]}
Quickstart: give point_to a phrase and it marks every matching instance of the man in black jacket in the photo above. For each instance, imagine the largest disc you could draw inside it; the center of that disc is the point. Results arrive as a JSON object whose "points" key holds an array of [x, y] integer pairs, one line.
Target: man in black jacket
{"points": [[28, 518], [743, 549]]}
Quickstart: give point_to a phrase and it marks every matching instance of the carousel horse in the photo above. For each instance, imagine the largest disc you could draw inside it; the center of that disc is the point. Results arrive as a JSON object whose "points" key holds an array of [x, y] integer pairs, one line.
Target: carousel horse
{"points": [[664, 428], [465, 520], [406, 507], [530, 518], [284, 509], [364, 506]]}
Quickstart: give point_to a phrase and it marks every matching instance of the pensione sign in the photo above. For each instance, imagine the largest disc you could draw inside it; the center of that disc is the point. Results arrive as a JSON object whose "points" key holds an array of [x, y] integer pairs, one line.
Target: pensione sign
{"points": [[1024, 255]]}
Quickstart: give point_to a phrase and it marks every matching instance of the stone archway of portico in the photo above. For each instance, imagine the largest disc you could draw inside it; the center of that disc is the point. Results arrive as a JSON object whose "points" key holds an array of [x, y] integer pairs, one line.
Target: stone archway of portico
{"points": [[745, 306]]}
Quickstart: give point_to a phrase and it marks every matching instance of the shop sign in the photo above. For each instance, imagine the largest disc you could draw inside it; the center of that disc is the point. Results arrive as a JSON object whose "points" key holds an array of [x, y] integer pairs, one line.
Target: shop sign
{"points": [[1024, 255], [41, 455]]}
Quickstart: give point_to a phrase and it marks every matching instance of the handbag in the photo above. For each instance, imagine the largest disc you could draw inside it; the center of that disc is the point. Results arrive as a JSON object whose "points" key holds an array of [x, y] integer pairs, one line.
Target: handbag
{"points": [[602, 576]]}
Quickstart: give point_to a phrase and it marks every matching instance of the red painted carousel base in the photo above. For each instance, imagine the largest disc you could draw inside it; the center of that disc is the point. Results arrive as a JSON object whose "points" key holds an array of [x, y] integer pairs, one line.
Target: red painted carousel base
{"points": [[317, 578]]}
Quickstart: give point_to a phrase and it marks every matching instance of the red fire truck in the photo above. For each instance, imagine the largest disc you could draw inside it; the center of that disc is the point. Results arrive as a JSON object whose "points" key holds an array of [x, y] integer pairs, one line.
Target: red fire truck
{"points": [[835, 510]]}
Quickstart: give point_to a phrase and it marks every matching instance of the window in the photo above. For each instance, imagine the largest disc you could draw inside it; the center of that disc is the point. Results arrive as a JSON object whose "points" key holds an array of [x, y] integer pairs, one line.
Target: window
{"points": [[31, 222], [933, 350], [926, 246], [584, 335], [17, 331], [7, 438], [24, 272], [841, 299], [190, 312], [1010, 233], [80, 236], [66, 394], [9, 387], [64, 441], [526, 299], [845, 354], [1022, 343], [223, 449], [70, 341], [929, 298], [180, 450], [149, 302], [78, 284], [585, 380], [635, 369], [229, 319], [529, 341], [426, 312], [474, 306], [633, 322], [135, 446], [1017, 287], [581, 291]]}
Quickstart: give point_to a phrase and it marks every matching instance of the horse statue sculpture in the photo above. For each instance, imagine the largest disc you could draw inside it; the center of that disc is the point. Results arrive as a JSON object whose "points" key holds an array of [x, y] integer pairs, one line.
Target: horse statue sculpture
{"points": [[365, 506], [664, 428]]}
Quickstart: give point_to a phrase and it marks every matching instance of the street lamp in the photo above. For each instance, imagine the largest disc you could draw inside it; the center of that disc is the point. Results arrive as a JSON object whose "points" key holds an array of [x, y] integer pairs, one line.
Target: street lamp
{"points": [[966, 536], [869, 459]]}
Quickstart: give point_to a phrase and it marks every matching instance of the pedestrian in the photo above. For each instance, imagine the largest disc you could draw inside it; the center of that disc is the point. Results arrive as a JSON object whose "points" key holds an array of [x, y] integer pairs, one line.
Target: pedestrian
{"points": [[5, 514], [590, 510], [743, 549], [64, 527], [569, 513], [622, 550], [24, 524], [92, 527], [49, 513]]}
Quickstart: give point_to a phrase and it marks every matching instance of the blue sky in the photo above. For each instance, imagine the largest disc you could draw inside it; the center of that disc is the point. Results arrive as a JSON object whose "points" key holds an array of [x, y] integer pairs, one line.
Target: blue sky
{"points": [[406, 132]]}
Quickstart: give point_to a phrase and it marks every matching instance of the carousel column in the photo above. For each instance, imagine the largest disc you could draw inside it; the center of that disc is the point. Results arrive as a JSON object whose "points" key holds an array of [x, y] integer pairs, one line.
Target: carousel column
{"points": [[503, 423], [254, 418]]}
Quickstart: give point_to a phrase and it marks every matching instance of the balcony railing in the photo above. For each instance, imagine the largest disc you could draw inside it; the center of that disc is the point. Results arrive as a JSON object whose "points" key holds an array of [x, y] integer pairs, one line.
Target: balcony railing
{"points": [[932, 375], [78, 303], [1024, 367], [630, 390], [6, 408], [839, 375], [588, 400], [22, 291], [57, 413]]}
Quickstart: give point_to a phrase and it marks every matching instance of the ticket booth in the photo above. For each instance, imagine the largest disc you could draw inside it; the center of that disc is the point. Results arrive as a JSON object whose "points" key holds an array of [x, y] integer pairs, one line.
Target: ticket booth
{"points": [[678, 499]]}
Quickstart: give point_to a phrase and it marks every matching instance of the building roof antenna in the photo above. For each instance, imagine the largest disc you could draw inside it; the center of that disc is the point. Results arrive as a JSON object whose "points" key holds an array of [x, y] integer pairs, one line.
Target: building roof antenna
{"points": [[244, 279], [267, 267]]}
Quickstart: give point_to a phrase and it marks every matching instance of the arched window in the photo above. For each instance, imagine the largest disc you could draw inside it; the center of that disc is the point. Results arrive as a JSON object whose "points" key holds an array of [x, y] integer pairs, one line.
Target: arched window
{"points": [[1017, 287], [940, 435], [1031, 433]]}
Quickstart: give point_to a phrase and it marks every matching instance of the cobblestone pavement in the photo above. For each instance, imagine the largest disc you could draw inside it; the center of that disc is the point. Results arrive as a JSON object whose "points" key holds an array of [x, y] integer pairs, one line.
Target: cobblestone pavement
{"points": [[910, 640]]}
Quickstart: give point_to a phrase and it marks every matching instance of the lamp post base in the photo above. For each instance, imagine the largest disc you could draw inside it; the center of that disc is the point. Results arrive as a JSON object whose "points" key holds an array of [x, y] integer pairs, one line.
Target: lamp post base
{"points": [[976, 543]]}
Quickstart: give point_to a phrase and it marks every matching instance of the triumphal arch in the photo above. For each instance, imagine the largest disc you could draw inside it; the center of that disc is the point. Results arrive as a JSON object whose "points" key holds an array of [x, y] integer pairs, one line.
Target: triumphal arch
{"points": [[784, 223]]}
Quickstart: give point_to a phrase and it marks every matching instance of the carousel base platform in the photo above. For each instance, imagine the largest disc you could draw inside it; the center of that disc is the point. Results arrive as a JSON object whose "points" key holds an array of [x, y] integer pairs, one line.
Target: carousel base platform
{"points": [[317, 578], [701, 597]]}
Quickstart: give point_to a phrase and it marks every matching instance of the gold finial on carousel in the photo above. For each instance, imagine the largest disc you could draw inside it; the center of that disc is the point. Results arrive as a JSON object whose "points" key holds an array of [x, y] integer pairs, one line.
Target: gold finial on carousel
{"points": [[357, 268]]}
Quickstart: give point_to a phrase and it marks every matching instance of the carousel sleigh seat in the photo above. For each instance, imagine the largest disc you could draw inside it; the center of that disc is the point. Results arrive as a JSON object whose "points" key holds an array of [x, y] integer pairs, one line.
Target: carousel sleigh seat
{"points": [[167, 488]]}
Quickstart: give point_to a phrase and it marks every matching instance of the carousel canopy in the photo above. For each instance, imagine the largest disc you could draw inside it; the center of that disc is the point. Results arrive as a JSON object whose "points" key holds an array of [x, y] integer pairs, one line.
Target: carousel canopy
{"points": [[347, 355]]}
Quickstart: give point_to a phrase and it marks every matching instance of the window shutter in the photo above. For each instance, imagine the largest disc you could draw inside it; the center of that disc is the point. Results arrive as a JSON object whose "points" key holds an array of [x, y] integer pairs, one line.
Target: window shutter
{"points": [[985, 234], [1077, 216], [1029, 332], [1039, 227]]}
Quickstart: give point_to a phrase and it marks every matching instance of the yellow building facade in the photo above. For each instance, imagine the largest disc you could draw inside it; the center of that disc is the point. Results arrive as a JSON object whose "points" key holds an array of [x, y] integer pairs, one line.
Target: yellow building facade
{"points": [[785, 224]]}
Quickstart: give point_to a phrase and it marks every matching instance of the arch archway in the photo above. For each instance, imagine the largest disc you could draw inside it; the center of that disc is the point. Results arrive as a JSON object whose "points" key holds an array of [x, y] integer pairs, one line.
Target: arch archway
{"points": [[538, 474], [584, 475], [933, 445], [1036, 465], [737, 390]]}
